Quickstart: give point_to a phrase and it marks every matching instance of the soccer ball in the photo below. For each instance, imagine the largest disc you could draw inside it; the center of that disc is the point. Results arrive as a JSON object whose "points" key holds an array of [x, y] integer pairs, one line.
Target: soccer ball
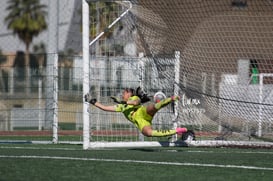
{"points": [[159, 96]]}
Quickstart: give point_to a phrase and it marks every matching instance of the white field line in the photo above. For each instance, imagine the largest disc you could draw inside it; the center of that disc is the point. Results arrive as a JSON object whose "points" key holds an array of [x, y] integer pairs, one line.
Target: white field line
{"points": [[239, 152], [173, 150], [138, 161], [38, 148]]}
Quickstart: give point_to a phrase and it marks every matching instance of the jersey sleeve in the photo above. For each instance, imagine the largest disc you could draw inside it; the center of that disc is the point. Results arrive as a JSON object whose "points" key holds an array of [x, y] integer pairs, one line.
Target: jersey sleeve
{"points": [[133, 98], [122, 107], [119, 107]]}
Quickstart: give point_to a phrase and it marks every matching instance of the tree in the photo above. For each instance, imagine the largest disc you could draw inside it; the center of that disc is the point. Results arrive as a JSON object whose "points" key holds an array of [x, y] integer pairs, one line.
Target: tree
{"points": [[102, 14], [26, 18]]}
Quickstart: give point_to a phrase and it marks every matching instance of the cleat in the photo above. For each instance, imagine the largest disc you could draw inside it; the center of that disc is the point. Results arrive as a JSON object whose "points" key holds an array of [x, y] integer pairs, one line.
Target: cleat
{"points": [[180, 131], [188, 136]]}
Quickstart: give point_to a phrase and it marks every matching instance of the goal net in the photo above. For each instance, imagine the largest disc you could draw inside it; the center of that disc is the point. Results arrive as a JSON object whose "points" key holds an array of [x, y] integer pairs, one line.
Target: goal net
{"points": [[224, 74]]}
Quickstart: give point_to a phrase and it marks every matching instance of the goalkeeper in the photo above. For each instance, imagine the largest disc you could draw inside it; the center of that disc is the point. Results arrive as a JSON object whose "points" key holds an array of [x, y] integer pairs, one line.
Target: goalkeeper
{"points": [[140, 115]]}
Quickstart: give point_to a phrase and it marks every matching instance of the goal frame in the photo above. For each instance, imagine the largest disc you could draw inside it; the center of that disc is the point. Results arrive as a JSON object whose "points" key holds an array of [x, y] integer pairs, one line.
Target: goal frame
{"points": [[261, 85], [87, 144], [86, 120]]}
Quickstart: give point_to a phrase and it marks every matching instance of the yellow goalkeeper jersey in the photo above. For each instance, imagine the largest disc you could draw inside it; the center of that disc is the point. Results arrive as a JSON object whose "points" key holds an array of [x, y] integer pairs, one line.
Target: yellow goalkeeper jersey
{"points": [[136, 114]]}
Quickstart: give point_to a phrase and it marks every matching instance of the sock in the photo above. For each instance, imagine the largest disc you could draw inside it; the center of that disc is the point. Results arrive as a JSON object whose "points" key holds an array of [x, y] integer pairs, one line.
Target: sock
{"points": [[161, 133], [163, 103]]}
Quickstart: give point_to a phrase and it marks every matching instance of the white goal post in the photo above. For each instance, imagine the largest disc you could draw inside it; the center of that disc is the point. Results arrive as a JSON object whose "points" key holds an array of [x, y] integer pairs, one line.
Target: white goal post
{"points": [[85, 45], [86, 88], [261, 99]]}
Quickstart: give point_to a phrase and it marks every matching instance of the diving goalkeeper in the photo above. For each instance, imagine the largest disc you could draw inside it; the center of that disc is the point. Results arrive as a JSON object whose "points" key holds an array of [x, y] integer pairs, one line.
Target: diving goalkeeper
{"points": [[140, 115]]}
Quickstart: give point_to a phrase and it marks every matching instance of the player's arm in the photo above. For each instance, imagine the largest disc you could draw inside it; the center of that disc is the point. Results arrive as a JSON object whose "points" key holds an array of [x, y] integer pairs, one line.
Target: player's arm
{"points": [[93, 101], [104, 107], [133, 102]]}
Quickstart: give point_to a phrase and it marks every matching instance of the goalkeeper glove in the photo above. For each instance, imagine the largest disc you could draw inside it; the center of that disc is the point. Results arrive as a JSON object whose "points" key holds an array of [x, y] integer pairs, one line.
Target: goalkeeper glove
{"points": [[87, 98], [93, 101]]}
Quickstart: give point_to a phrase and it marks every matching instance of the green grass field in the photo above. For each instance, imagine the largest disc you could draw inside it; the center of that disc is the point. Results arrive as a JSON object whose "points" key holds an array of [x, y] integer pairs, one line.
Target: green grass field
{"points": [[69, 162]]}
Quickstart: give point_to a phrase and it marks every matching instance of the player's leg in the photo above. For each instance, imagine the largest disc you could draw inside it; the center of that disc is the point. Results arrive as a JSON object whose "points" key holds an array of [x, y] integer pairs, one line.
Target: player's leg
{"points": [[143, 122], [166, 101], [149, 132], [153, 108]]}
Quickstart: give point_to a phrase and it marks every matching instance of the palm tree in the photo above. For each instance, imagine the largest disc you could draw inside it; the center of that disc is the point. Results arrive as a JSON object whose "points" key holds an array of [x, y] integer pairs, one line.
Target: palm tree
{"points": [[106, 11], [102, 14], [26, 18]]}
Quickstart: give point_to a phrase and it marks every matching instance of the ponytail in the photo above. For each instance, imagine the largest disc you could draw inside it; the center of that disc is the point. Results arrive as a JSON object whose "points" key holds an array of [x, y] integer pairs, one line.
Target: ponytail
{"points": [[142, 95]]}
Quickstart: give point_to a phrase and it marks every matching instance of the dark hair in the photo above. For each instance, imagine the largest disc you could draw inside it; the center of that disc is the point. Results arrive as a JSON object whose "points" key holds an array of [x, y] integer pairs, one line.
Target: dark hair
{"points": [[142, 95], [130, 90]]}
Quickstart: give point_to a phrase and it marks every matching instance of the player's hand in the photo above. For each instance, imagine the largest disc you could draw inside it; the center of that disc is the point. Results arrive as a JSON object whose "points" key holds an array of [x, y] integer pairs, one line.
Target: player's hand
{"points": [[93, 101], [88, 98]]}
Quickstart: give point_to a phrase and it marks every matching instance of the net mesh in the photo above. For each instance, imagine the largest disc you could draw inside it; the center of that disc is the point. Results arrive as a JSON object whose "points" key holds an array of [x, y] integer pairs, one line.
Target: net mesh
{"points": [[224, 72], [109, 76], [225, 63]]}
